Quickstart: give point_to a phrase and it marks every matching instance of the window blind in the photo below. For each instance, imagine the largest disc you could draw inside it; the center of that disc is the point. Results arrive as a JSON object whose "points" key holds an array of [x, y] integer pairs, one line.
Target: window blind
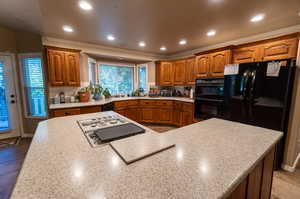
{"points": [[34, 86], [142, 77], [4, 120]]}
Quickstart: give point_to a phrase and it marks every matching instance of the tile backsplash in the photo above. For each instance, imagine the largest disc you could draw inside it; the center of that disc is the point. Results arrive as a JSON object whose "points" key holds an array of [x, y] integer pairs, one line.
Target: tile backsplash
{"points": [[69, 91]]}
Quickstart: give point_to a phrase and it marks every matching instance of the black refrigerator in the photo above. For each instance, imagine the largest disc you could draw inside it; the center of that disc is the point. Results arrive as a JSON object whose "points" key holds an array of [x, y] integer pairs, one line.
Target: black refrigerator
{"points": [[255, 98]]}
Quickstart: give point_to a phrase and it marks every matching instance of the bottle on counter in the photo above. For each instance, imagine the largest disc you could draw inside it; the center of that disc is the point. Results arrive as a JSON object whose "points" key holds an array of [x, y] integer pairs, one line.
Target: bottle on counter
{"points": [[192, 93], [56, 99], [62, 97]]}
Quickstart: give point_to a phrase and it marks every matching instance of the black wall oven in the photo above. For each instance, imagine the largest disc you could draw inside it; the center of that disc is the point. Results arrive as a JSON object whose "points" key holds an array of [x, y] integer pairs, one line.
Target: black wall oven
{"points": [[209, 97]]}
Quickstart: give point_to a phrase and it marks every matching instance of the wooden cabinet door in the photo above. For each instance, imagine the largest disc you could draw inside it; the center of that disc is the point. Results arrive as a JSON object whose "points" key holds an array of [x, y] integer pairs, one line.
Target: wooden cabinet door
{"points": [[187, 118], [179, 72], [217, 62], [246, 55], [176, 117], [72, 68], [121, 112], [165, 116], [132, 114], [202, 66], [283, 49], [190, 75], [166, 73], [147, 115], [56, 70]]}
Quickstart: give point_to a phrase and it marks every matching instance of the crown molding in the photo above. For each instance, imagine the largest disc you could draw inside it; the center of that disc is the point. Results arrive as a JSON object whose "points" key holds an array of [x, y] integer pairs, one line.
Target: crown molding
{"points": [[132, 54], [262, 36], [100, 49]]}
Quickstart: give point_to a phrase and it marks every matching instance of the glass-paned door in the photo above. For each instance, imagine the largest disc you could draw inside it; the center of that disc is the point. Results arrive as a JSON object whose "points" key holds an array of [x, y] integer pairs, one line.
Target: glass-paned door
{"points": [[9, 118]]}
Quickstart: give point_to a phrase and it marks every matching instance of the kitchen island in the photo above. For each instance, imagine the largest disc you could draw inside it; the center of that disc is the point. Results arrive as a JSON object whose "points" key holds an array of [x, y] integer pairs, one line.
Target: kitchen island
{"points": [[211, 159]]}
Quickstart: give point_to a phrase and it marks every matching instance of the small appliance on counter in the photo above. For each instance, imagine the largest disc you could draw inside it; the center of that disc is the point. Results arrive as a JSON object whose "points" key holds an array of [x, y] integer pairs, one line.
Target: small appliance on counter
{"points": [[101, 130]]}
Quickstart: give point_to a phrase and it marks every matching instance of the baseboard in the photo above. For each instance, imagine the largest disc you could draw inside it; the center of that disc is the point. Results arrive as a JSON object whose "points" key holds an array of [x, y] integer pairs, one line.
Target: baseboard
{"points": [[291, 168], [27, 135]]}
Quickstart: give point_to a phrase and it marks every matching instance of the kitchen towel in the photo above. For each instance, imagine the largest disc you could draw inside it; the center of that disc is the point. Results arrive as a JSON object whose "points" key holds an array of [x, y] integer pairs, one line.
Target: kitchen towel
{"points": [[231, 69], [273, 69]]}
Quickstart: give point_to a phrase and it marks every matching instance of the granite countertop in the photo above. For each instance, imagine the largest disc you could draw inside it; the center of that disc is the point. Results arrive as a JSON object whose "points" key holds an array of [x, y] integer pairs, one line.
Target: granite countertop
{"points": [[114, 99], [209, 160]]}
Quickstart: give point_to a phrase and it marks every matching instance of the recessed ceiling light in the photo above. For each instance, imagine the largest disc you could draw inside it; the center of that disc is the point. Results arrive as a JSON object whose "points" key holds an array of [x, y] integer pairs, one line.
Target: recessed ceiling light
{"points": [[110, 37], [163, 48], [211, 33], [182, 42], [142, 44], [257, 18], [85, 5], [67, 28]]}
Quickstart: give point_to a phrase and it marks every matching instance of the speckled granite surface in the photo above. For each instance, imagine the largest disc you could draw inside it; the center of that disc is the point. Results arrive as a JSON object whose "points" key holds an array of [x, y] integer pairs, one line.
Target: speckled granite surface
{"points": [[141, 146], [114, 99], [209, 160]]}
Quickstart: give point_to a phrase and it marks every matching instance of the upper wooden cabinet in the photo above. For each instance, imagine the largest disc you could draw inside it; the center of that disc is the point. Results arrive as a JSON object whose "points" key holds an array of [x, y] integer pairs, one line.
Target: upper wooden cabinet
{"points": [[212, 64], [246, 55], [283, 49], [164, 73], [72, 69], [190, 71], [63, 67], [217, 62], [179, 72], [273, 49], [202, 65], [56, 60]]}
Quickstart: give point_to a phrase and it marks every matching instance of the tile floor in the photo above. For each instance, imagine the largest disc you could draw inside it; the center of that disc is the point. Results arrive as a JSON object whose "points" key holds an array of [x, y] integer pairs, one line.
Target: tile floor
{"points": [[285, 185]]}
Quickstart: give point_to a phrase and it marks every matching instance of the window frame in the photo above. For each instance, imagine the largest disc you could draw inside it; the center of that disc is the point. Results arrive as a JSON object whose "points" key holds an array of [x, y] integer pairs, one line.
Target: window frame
{"points": [[138, 76], [92, 61], [98, 70], [22, 56]]}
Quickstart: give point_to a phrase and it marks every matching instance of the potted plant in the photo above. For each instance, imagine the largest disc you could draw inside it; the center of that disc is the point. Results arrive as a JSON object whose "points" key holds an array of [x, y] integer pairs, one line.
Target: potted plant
{"points": [[84, 94], [106, 93], [97, 91]]}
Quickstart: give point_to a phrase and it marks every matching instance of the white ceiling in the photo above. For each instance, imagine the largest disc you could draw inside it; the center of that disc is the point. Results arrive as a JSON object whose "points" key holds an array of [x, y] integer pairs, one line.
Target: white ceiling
{"points": [[157, 22]]}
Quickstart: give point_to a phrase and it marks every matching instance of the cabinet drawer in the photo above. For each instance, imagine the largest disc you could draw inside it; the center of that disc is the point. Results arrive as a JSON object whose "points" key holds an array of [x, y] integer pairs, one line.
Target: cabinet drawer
{"points": [[90, 109], [121, 104], [133, 103], [66, 112], [164, 103], [148, 103], [187, 106]]}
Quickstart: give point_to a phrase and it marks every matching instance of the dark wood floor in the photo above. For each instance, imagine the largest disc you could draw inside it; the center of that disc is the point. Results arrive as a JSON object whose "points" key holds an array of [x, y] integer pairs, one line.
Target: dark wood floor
{"points": [[11, 159], [285, 185]]}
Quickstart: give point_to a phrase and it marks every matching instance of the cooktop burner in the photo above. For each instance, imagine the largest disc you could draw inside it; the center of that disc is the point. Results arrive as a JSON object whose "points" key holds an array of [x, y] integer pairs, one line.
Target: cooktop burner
{"points": [[90, 126]]}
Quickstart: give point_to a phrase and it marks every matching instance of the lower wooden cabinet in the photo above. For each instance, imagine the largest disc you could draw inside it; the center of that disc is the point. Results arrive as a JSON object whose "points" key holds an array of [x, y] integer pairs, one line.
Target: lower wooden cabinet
{"points": [[133, 114], [258, 184], [74, 111], [146, 111], [147, 115], [157, 111], [177, 117]]}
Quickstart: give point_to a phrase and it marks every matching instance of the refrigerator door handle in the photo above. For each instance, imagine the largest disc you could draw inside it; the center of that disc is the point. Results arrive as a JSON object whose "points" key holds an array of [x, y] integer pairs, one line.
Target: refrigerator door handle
{"points": [[251, 93], [245, 84]]}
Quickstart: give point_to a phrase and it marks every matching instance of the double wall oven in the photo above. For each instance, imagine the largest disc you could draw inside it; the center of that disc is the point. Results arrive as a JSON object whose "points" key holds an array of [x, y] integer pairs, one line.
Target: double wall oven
{"points": [[209, 97]]}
